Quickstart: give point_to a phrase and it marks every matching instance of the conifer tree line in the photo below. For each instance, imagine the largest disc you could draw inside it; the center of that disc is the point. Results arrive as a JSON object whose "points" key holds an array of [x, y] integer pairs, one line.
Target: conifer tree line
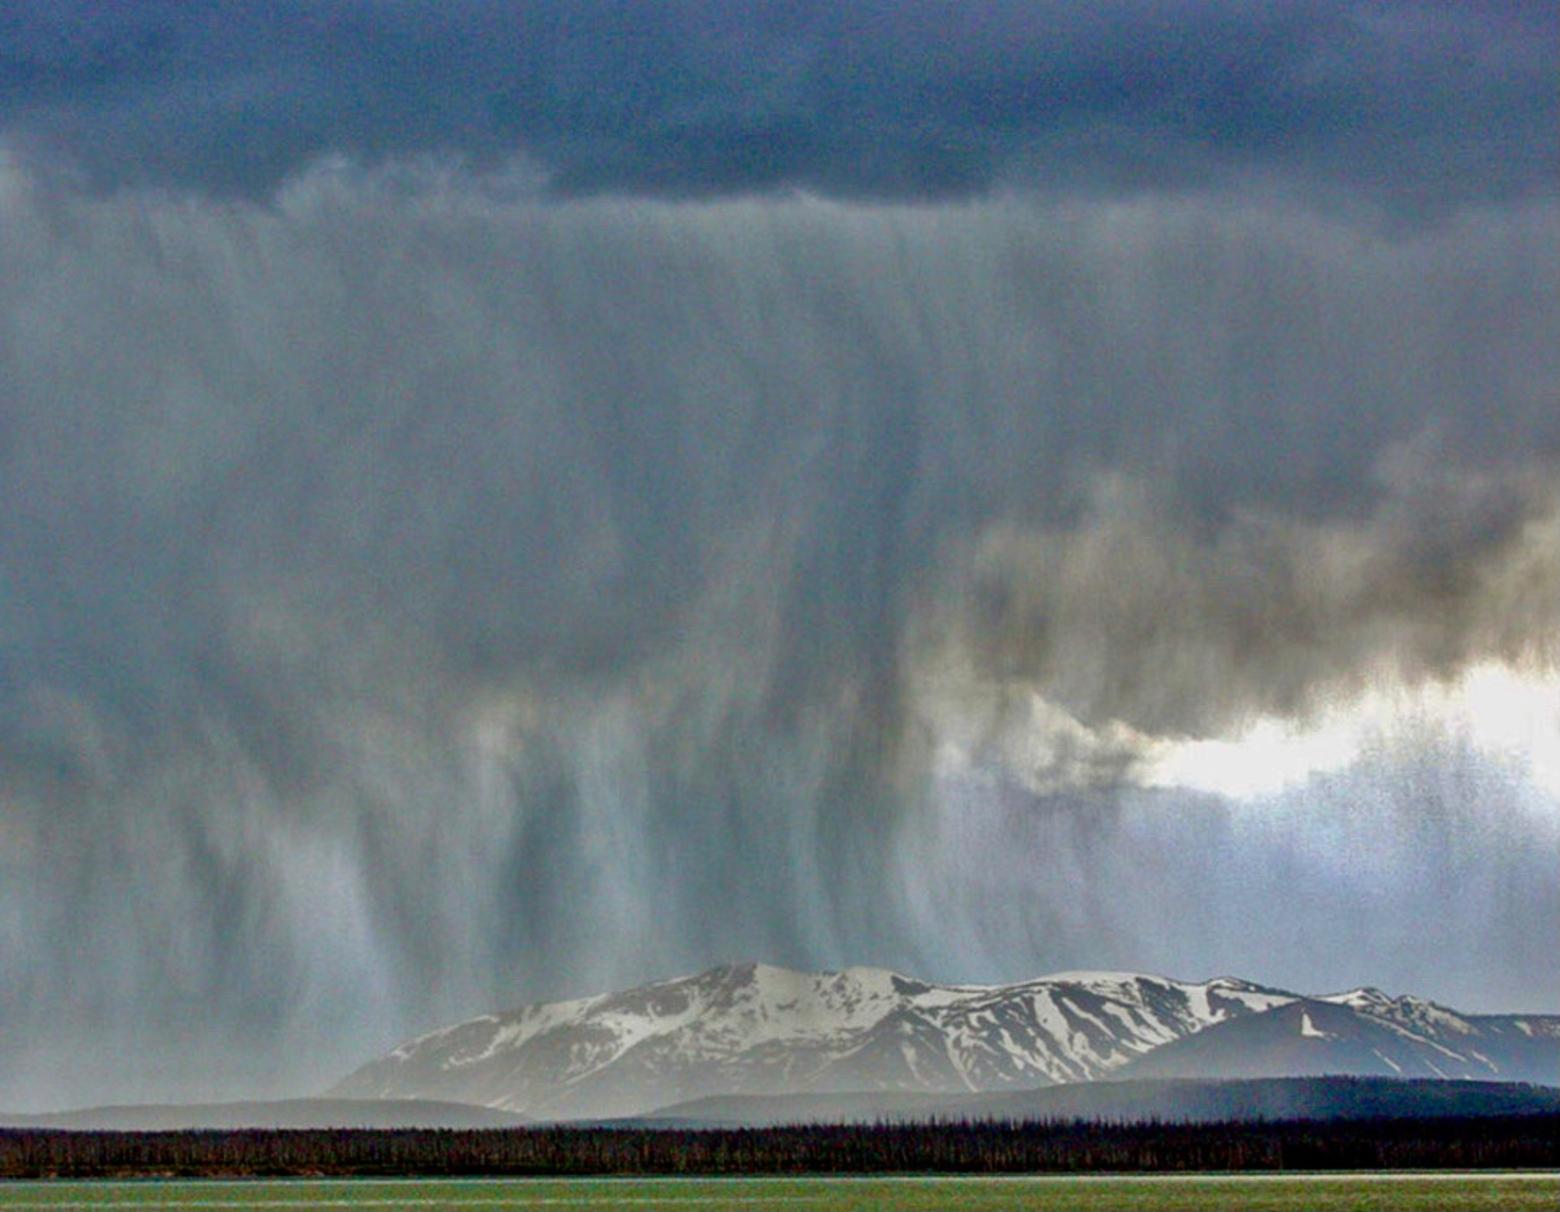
{"points": [[987, 1147]]}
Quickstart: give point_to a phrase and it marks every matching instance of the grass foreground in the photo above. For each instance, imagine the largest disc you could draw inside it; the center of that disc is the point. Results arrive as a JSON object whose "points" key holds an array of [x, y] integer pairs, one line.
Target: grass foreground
{"points": [[1373, 1192]]}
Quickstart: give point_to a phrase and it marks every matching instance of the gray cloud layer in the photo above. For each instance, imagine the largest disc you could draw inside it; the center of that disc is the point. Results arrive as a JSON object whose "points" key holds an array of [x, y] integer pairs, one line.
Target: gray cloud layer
{"points": [[415, 594], [1420, 103], [411, 600]]}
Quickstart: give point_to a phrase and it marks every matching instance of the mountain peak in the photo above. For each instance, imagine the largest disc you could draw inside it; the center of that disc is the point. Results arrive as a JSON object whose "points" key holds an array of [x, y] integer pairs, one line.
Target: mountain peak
{"points": [[1364, 996]]}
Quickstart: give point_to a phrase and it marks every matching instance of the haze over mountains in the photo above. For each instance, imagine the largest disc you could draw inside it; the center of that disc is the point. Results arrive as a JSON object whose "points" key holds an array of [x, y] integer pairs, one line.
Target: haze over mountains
{"points": [[291, 1114], [752, 1031]]}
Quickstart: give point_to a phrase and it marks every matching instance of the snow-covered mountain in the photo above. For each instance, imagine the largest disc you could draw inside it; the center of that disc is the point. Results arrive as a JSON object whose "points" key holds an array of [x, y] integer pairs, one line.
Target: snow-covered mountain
{"points": [[1500, 1042], [752, 1029], [1314, 1037], [756, 1029]]}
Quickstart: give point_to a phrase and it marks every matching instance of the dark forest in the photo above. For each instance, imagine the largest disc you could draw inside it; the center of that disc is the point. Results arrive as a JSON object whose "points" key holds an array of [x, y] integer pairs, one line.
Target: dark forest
{"points": [[1515, 1142]]}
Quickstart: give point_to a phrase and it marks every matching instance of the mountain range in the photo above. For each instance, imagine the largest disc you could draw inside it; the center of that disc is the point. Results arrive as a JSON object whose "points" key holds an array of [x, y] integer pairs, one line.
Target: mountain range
{"points": [[753, 1031]]}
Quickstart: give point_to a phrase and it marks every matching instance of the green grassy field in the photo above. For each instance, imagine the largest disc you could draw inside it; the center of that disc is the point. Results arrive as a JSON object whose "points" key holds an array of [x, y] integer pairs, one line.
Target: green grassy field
{"points": [[1331, 1193]]}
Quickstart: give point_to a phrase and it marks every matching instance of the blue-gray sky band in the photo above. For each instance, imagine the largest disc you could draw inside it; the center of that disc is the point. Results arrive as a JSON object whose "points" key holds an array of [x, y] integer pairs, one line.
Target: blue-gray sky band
{"points": [[1418, 103]]}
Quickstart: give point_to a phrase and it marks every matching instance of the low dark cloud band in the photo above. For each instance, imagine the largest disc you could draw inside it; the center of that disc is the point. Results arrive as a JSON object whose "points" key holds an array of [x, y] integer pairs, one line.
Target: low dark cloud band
{"points": [[1418, 104]]}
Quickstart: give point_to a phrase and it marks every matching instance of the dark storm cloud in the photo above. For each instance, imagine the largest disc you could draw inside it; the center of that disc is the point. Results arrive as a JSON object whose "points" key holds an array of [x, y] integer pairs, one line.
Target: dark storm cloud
{"points": [[415, 600], [1425, 103]]}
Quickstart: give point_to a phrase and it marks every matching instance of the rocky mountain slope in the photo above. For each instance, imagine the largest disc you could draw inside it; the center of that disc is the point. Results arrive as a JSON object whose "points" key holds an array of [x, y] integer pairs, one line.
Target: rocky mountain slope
{"points": [[1314, 1037]]}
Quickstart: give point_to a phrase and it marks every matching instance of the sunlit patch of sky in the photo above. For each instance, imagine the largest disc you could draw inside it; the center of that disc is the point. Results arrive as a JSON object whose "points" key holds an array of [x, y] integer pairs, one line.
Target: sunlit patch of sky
{"points": [[1509, 716]]}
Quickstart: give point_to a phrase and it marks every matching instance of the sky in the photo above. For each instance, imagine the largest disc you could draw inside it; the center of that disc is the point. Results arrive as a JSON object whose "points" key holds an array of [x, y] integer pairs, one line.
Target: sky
{"points": [[507, 501]]}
